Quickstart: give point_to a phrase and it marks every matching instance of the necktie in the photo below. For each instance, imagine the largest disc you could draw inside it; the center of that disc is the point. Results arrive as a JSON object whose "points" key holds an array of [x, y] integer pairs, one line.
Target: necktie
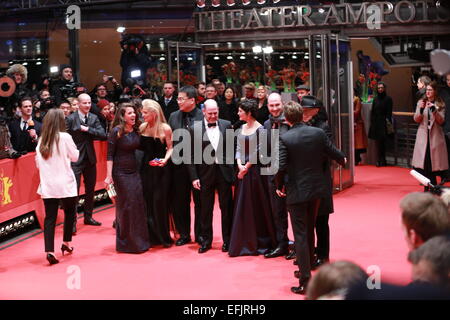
{"points": [[187, 120], [85, 119], [167, 101], [24, 127], [212, 125]]}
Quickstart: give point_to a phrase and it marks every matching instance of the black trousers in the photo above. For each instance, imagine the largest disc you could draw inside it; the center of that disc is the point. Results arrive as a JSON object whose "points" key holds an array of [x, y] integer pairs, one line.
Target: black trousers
{"points": [[89, 173], [323, 236], [303, 219], [209, 186], [280, 215], [181, 202], [51, 212], [381, 145]]}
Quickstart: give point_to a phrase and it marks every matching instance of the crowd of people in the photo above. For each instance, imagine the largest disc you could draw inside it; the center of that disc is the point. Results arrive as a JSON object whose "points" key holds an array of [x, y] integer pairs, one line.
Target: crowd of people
{"points": [[148, 171]]}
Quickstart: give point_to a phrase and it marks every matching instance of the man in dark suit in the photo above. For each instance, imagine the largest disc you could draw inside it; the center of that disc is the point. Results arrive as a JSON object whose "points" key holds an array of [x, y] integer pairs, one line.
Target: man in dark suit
{"points": [[168, 101], [277, 122], [25, 130], [303, 151], [213, 173], [85, 127], [184, 118]]}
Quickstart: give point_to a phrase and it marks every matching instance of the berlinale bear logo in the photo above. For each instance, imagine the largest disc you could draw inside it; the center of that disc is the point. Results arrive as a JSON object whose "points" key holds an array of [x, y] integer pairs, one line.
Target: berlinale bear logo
{"points": [[5, 184]]}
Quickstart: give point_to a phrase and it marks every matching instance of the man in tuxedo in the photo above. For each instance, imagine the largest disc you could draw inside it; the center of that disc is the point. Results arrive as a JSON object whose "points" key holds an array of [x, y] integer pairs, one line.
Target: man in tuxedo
{"points": [[25, 130], [85, 127], [277, 122], [184, 118], [168, 101], [303, 151], [214, 173]]}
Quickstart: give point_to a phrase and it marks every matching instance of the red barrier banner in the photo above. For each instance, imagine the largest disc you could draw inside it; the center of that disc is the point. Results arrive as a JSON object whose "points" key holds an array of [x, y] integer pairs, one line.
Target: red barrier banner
{"points": [[19, 181]]}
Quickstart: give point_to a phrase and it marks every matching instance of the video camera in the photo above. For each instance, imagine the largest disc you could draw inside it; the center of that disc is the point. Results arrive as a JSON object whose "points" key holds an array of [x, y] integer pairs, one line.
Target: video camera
{"points": [[135, 88], [72, 89], [131, 41]]}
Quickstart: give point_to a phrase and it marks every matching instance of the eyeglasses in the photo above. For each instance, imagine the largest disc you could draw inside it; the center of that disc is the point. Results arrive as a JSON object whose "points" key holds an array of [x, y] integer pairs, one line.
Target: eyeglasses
{"points": [[182, 99]]}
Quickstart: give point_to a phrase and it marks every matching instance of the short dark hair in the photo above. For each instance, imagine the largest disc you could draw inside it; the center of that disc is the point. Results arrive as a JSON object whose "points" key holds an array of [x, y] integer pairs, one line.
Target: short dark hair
{"points": [[190, 91], [64, 101], [436, 251], [249, 105], [426, 214], [26, 98], [293, 112], [201, 82]]}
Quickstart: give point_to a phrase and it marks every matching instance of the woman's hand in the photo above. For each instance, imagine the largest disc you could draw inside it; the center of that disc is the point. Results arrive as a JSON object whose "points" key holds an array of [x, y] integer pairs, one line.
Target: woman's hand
{"points": [[242, 171], [163, 162], [108, 181]]}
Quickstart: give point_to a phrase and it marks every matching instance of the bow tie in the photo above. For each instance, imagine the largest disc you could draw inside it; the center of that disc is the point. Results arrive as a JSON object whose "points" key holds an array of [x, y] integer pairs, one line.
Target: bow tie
{"points": [[211, 125]]}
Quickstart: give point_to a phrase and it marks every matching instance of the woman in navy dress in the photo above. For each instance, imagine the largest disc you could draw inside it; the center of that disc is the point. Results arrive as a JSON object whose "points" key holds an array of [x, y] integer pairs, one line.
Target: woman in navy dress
{"points": [[253, 230], [156, 141], [131, 223]]}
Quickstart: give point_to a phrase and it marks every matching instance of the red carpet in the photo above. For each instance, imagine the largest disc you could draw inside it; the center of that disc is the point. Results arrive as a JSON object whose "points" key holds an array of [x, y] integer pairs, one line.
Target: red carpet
{"points": [[365, 228]]}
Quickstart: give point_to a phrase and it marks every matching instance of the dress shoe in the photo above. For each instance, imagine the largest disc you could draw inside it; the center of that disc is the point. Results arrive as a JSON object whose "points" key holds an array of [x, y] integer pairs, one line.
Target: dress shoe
{"points": [[203, 248], [318, 262], [66, 248], [291, 255], [51, 259], [182, 241], [225, 247], [114, 224], [381, 164], [301, 289], [91, 222], [277, 252]]}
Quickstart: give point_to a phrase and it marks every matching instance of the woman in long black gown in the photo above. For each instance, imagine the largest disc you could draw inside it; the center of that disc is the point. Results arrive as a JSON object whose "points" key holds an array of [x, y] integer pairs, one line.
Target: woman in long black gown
{"points": [[156, 141], [122, 169], [253, 230]]}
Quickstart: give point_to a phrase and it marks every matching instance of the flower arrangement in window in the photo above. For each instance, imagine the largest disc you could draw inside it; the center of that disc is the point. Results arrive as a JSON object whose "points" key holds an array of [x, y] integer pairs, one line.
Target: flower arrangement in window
{"points": [[288, 77], [231, 72]]}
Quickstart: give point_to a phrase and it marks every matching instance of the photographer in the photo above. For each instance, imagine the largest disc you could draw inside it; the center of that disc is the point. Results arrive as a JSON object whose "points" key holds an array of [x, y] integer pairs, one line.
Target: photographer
{"points": [[101, 90], [134, 57], [45, 103], [19, 74], [66, 86]]}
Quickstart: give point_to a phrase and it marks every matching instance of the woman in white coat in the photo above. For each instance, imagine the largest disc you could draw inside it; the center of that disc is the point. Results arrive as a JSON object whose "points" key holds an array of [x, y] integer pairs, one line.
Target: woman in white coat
{"points": [[430, 151], [54, 152]]}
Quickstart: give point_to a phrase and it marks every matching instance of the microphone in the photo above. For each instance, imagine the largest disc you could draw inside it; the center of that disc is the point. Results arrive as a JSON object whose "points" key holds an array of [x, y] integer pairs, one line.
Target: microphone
{"points": [[421, 178]]}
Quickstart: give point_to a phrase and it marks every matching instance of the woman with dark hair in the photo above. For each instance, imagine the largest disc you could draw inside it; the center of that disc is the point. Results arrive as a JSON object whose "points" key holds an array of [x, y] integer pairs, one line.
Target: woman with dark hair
{"points": [[253, 230], [122, 169], [430, 151], [230, 101], [54, 153]]}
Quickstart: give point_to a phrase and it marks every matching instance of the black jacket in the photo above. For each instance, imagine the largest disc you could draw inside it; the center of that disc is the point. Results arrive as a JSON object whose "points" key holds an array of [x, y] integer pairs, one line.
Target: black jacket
{"points": [[204, 171], [381, 110], [21, 140], [169, 108], [303, 152], [85, 140]]}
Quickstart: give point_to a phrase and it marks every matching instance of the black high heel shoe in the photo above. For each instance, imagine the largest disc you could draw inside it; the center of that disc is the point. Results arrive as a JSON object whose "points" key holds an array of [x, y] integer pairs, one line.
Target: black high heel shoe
{"points": [[66, 248], [51, 259]]}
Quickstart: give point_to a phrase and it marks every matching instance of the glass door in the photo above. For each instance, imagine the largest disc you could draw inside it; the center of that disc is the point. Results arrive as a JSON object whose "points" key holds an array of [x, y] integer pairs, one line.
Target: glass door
{"points": [[332, 84], [185, 63]]}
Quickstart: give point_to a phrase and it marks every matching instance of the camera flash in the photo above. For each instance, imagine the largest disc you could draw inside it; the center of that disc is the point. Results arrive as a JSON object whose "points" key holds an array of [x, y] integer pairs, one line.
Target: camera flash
{"points": [[135, 73], [54, 69]]}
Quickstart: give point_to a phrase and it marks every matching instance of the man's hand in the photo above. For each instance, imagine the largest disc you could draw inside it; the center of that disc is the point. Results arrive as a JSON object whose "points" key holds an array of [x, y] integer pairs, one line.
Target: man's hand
{"points": [[196, 184], [84, 128], [280, 193], [33, 134]]}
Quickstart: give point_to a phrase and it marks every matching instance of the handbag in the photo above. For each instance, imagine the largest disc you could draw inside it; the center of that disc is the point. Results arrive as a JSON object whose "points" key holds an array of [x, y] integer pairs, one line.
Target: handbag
{"points": [[389, 127]]}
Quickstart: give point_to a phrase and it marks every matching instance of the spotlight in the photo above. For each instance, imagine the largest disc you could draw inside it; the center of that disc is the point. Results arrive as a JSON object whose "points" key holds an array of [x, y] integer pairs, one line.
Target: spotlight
{"points": [[162, 59], [246, 2], [257, 49], [215, 3], [294, 57], [231, 3], [281, 57], [135, 73], [261, 1], [120, 29], [230, 58], [276, 1], [216, 58], [321, 11], [242, 57], [268, 50], [38, 63], [25, 63]]}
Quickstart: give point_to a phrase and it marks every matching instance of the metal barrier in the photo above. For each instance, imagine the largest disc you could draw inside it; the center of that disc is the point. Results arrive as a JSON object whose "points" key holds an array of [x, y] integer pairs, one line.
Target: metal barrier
{"points": [[399, 152]]}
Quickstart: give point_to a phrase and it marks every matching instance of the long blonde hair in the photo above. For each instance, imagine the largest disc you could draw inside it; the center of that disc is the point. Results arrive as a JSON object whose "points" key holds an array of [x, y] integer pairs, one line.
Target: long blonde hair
{"points": [[157, 130], [54, 123]]}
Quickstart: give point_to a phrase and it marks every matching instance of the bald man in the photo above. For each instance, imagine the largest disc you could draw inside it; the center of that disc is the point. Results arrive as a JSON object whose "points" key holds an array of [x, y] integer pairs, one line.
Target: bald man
{"points": [[277, 122], [216, 173], [85, 127]]}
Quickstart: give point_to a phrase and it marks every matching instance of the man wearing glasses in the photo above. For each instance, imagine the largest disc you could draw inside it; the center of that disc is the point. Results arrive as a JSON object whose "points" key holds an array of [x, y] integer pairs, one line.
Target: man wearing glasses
{"points": [[184, 118]]}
